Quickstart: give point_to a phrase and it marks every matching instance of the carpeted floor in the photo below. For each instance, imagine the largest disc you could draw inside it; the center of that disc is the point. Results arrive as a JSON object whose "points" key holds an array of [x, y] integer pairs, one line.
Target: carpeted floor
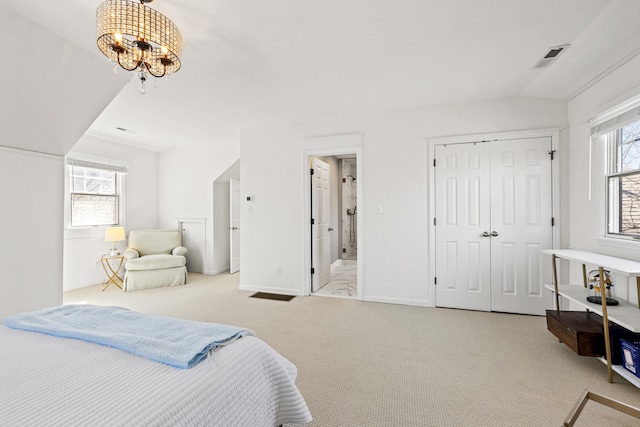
{"points": [[371, 364]]}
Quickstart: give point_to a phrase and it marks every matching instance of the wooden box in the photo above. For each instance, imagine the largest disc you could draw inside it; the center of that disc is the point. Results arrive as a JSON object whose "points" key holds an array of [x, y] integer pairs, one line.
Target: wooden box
{"points": [[579, 330]]}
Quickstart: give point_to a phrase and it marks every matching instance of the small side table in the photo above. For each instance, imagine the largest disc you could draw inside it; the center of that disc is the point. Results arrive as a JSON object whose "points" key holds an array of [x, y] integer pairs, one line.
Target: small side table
{"points": [[111, 266]]}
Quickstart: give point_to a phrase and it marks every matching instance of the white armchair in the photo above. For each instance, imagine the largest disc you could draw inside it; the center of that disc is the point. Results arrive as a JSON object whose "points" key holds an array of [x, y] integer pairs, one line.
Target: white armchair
{"points": [[154, 258]]}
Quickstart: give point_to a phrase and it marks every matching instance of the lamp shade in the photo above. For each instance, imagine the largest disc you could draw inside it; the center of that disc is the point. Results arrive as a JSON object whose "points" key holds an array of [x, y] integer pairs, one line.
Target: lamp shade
{"points": [[113, 234]]}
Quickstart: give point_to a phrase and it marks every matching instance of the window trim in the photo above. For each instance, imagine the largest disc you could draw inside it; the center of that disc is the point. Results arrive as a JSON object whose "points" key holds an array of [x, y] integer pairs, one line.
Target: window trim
{"points": [[96, 163], [601, 127]]}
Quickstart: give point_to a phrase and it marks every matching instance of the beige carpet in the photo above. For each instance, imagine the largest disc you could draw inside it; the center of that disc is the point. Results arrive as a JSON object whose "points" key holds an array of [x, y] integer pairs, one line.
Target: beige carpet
{"points": [[371, 364]]}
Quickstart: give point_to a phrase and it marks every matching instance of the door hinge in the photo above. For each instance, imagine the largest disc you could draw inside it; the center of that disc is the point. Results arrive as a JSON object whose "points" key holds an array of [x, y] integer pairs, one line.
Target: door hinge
{"points": [[313, 221], [434, 221], [313, 270], [553, 221], [310, 171], [435, 281], [434, 163], [551, 153]]}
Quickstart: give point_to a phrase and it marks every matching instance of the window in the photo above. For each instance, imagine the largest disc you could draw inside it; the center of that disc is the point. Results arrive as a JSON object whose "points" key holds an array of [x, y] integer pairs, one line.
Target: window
{"points": [[95, 193], [620, 133]]}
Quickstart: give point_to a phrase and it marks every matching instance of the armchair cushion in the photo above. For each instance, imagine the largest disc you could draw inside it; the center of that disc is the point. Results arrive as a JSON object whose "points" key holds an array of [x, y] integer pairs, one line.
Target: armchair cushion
{"points": [[152, 242], [156, 262]]}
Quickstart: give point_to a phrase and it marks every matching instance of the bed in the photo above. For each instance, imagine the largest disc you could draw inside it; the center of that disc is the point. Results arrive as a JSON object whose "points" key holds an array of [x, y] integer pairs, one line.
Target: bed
{"points": [[55, 381]]}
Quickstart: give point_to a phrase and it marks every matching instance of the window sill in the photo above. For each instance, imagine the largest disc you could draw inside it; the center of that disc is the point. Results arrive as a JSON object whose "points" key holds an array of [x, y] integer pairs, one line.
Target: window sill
{"points": [[618, 243]]}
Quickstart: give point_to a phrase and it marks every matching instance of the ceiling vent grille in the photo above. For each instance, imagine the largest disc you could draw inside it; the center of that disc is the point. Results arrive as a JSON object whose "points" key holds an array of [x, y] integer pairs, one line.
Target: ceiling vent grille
{"points": [[125, 129], [551, 56]]}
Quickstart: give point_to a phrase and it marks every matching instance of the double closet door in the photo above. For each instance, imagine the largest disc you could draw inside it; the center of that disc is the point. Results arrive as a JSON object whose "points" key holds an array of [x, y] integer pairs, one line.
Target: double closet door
{"points": [[493, 211]]}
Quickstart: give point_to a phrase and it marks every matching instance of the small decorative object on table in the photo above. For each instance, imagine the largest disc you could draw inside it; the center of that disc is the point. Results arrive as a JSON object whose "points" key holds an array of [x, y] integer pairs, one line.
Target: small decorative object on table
{"points": [[595, 290]]}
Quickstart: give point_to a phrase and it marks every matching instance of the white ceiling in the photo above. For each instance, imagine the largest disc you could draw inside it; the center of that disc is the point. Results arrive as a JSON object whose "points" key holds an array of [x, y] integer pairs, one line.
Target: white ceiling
{"points": [[250, 62]]}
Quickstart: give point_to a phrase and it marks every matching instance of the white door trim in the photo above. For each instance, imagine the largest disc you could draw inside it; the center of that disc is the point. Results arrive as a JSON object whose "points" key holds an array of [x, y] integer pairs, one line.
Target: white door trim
{"points": [[327, 146], [554, 133]]}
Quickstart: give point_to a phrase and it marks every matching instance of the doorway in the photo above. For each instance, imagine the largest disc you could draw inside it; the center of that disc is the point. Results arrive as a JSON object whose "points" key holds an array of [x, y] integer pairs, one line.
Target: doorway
{"points": [[493, 216], [223, 218], [333, 224]]}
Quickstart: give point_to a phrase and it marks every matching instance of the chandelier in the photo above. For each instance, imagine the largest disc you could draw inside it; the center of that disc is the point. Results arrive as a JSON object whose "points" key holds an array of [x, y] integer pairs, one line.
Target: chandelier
{"points": [[138, 38]]}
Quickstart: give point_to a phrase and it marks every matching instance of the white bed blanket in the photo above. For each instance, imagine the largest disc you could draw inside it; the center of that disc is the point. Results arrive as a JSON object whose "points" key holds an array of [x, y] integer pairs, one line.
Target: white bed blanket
{"points": [[52, 381]]}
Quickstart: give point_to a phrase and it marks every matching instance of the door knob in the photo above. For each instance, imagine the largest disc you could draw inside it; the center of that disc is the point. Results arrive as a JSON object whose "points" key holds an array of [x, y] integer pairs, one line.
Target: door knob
{"points": [[330, 228], [494, 233], [233, 228], [486, 234]]}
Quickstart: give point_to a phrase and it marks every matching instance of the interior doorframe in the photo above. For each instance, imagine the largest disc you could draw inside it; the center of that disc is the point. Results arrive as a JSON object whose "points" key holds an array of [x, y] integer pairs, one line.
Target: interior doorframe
{"points": [[330, 146], [553, 133]]}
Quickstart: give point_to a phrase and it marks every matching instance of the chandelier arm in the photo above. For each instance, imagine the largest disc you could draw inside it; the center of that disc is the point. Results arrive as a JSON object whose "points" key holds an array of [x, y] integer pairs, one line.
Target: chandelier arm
{"points": [[156, 75], [129, 69]]}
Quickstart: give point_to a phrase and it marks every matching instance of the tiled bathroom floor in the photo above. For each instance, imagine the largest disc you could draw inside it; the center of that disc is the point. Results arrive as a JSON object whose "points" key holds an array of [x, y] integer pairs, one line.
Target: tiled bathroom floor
{"points": [[343, 282]]}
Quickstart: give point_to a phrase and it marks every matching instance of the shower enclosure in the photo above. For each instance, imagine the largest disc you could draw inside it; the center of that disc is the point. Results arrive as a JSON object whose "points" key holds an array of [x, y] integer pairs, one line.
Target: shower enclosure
{"points": [[349, 210]]}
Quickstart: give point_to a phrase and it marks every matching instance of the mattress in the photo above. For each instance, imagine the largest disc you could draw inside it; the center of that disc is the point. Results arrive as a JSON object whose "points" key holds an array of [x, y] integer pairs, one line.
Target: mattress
{"points": [[54, 381]]}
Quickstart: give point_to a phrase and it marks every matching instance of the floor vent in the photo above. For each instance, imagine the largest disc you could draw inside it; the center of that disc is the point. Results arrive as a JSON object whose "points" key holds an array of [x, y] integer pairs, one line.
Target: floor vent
{"points": [[551, 55], [276, 297]]}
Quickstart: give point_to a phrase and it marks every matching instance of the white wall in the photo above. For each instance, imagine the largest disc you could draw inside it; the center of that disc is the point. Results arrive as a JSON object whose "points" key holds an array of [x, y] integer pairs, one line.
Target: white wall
{"points": [[52, 90], [394, 170], [46, 105], [84, 247], [31, 229], [587, 216], [186, 175]]}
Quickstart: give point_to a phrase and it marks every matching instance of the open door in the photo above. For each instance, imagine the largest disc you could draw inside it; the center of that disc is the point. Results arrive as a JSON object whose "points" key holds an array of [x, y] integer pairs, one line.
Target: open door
{"points": [[234, 225], [320, 219]]}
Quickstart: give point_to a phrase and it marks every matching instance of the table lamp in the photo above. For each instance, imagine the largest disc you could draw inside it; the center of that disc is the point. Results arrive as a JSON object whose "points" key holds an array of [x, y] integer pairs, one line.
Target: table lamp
{"points": [[114, 234]]}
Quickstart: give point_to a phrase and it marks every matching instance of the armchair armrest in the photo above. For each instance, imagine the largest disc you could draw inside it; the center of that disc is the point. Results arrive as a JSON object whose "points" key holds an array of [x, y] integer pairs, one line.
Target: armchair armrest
{"points": [[180, 250], [130, 253]]}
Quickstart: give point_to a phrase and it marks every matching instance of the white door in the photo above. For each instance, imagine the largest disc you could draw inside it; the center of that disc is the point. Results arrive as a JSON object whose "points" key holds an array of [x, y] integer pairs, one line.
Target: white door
{"points": [[493, 218], [234, 225], [521, 215], [320, 214], [462, 187]]}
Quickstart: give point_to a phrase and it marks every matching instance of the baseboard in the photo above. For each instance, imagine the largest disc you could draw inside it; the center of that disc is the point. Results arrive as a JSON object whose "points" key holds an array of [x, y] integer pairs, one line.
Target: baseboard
{"points": [[400, 301], [215, 272], [272, 290]]}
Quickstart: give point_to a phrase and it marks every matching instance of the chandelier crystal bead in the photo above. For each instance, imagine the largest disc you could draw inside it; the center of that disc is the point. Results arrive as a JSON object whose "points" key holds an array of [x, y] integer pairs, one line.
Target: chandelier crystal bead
{"points": [[137, 37]]}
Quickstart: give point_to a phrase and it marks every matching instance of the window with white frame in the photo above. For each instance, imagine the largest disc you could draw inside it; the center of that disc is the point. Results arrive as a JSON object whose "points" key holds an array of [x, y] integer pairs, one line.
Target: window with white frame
{"points": [[95, 193], [621, 136]]}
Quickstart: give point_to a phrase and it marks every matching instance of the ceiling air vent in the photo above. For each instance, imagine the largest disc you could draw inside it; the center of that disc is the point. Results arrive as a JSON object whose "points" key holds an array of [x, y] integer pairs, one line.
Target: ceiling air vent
{"points": [[551, 56], [125, 130]]}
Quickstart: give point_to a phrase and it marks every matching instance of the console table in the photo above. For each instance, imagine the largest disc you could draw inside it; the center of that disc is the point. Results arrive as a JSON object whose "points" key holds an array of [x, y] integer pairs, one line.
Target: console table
{"points": [[624, 315]]}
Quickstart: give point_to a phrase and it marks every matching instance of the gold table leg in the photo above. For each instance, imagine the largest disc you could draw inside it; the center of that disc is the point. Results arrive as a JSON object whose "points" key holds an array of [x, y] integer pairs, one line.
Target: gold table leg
{"points": [[112, 274], [555, 280], [605, 324], [603, 400]]}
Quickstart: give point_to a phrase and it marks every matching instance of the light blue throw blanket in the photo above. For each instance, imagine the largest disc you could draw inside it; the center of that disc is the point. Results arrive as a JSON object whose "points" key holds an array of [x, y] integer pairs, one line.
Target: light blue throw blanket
{"points": [[175, 342]]}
